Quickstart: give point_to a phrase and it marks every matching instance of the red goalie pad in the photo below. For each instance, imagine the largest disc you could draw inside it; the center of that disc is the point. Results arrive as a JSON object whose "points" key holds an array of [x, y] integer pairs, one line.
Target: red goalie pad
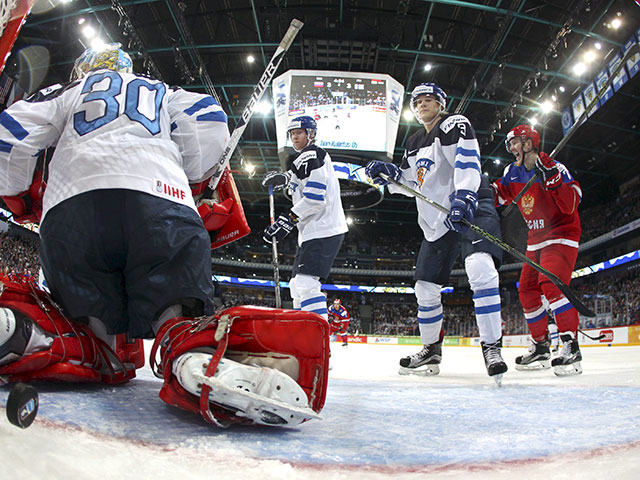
{"points": [[225, 220], [298, 338], [75, 354]]}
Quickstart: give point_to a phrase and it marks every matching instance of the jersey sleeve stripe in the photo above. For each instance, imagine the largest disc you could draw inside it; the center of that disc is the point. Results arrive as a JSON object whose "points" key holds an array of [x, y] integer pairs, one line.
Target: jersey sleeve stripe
{"points": [[428, 309], [487, 292], [466, 152], [218, 116], [13, 126], [5, 147], [319, 185], [313, 196], [465, 165], [199, 105]]}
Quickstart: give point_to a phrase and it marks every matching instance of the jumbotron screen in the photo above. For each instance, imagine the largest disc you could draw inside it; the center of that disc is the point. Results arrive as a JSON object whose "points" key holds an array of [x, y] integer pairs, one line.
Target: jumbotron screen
{"points": [[357, 113]]}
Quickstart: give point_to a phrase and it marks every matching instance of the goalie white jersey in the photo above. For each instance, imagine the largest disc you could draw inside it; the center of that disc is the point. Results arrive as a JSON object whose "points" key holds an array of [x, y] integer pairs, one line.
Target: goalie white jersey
{"points": [[112, 130], [437, 164]]}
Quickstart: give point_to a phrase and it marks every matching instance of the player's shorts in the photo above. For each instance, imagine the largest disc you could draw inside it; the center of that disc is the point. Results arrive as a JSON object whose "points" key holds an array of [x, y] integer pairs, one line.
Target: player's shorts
{"points": [[124, 256], [436, 259], [472, 242], [315, 257]]}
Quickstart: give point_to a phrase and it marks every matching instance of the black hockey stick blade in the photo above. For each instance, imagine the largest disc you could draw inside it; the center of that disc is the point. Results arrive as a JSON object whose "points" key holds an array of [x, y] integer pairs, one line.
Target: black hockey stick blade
{"points": [[599, 337], [566, 291], [578, 123]]}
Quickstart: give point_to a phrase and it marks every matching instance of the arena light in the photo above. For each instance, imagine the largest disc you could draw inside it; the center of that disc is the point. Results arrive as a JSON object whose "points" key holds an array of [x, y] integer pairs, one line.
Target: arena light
{"points": [[81, 20], [546, 106], [427, 67], [533, 121], [561, 88], [598, 46], [264, 107], [589, 56], [579, 68], [249, 167], [251, 59], [407, 115], [88, 31], [616, 23], [98, 44], [349, 220]]}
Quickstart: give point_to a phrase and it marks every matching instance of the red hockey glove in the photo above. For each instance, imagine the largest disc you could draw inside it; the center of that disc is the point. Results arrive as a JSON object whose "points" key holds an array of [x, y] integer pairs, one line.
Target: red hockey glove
{"points": [[548, 171]]}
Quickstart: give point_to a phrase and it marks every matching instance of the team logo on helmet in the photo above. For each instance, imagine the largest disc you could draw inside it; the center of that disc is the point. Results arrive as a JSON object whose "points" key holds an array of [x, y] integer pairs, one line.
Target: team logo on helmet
{"points": [[110, 56], [427, 88]]}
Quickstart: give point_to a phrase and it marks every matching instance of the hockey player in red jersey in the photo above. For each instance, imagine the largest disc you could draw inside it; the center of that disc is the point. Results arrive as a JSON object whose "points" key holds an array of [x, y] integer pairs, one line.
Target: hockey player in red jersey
{"points": [[550, 210], [339, 320]]}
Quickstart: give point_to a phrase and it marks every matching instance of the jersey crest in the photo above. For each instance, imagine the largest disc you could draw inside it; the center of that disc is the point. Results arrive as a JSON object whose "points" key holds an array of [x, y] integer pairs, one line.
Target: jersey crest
{"points": [[423, 166], [527, 203]]}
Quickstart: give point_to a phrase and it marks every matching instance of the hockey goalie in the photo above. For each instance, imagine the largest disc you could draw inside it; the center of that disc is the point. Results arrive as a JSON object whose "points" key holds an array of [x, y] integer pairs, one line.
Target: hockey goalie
{"points": [[245, 365]]}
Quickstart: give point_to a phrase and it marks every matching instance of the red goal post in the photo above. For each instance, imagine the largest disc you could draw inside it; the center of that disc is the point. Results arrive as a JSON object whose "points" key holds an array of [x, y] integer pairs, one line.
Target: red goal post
{"points": [[13, 14]]}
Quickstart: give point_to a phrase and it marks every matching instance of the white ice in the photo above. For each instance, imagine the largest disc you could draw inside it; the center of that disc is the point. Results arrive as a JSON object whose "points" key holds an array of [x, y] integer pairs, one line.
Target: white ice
{"points": [[376, 425]]}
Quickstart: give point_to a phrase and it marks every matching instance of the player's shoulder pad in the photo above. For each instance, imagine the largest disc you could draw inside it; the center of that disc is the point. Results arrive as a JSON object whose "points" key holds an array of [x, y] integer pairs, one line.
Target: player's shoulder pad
{"points": [[51, 92], [455, 120], [309, 159]]}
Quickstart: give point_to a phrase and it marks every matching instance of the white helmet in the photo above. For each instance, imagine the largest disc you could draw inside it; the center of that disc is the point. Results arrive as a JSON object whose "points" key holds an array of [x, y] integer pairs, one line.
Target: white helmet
{"points": [[427, 88]]}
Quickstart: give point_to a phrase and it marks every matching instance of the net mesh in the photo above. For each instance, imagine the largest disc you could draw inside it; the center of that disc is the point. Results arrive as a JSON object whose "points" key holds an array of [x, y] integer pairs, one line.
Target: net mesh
{"points": [[5, 12]]}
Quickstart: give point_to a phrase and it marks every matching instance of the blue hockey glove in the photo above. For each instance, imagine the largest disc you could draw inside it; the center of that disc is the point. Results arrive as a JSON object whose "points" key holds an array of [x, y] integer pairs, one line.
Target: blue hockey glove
{"points": [[280, 228], [276, 179], [548, 171], [464, 204], [376, 167]]}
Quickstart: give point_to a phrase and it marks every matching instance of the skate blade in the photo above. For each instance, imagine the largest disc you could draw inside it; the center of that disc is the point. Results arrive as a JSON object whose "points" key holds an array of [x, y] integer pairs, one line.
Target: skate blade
{"points": [[538, 365], [567, 370], [498, 379], [425, 370]]}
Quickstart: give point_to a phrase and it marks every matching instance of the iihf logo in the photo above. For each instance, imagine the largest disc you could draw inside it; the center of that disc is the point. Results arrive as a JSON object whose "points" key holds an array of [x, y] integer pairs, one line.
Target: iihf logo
{"points": [[423, 165], [159, 186]]}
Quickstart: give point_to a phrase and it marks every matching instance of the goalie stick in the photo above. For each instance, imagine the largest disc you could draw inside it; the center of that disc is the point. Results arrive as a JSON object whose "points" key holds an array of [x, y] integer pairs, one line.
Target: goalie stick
{"points": [[247, 113], [566, 291], [632, 51], [274, 246]]}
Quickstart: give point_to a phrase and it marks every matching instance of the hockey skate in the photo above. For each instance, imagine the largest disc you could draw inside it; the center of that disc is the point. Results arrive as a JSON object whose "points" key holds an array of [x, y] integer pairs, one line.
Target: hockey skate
{"points": [[568, 362], [496, 368], [537, 358], [429, 357]]}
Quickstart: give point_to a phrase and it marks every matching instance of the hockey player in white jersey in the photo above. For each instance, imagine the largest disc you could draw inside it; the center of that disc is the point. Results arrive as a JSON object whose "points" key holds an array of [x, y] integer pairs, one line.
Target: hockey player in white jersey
{"points": [[125, 252], [443, 162], [316, 212]]}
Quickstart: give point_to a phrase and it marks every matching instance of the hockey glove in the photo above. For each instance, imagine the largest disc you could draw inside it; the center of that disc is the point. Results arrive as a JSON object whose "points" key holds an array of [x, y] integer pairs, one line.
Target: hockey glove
{"points": [[464, 204], [376, 167], [548, 171], [276, 179], [280, 228]]}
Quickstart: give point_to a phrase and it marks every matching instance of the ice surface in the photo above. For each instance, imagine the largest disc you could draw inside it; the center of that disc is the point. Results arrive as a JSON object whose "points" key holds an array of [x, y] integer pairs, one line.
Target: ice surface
{"points": [[376, 424]]}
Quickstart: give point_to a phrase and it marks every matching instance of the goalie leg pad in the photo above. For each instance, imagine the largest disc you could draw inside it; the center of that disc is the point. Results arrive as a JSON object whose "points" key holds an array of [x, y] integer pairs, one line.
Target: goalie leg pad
{"points": [[296, 342], [264, 395]]}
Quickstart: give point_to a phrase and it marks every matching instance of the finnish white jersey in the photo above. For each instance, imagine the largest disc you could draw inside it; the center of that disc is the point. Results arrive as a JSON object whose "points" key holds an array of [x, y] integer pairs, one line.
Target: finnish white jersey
{"points": [[437, 164], [112, 130], [315, 192]]}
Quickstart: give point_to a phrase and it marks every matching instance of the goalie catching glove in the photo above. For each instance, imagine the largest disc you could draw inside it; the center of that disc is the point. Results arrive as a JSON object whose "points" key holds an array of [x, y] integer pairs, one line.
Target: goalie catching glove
{"points": [[548, 171]]}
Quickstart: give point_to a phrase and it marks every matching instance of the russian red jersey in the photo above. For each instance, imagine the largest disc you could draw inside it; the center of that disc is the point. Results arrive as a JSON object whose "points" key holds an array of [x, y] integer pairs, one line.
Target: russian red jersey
{"points": [[551, 215]]}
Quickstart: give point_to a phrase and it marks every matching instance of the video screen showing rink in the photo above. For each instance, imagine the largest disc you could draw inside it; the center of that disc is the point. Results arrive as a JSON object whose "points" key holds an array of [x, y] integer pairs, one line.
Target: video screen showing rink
{"points": [[376, 424], [351, 113]]}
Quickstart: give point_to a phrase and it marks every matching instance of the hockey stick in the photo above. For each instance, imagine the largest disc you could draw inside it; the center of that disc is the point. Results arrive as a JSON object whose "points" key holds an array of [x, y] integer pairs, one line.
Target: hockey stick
{"points": [[632, 51], [274, 246], [247, 113], [599, 337], [566, 291]]}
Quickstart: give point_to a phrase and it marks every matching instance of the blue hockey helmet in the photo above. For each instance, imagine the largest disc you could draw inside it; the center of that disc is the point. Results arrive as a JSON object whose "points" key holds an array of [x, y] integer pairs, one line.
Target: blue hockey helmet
{"points": [[427, 88], [306, 123], [110, 56]]}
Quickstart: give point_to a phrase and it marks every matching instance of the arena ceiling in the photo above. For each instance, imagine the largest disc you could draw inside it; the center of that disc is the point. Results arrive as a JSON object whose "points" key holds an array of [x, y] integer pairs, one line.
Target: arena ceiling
{"points": [[497, 60]]}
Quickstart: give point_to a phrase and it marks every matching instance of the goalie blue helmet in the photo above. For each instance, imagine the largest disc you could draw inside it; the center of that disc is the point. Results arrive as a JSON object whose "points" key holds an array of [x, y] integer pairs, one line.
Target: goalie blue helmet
{"points": [[427, 88], [306, 123], [109, 56]]}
